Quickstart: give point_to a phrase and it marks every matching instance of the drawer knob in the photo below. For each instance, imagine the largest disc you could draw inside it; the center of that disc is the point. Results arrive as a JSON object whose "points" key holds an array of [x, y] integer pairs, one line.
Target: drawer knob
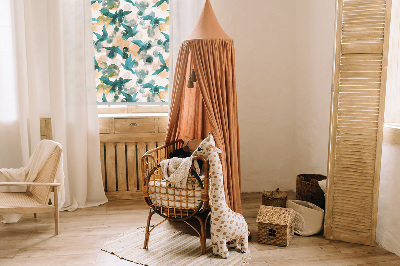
{"points": [[133, 124]]}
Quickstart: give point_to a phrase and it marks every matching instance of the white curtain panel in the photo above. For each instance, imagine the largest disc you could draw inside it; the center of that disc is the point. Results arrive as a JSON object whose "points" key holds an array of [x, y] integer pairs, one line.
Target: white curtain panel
{"points": [[10, 147], [183, 18], [55, 78]]}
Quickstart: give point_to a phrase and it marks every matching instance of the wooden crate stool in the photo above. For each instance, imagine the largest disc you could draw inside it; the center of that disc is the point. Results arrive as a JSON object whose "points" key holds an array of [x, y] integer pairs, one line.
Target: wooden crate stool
{"points": [[275, 225]]}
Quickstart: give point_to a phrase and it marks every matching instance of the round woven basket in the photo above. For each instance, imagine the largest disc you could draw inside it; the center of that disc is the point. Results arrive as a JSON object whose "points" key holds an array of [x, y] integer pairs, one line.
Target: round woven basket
{"points": [[308, 189]]}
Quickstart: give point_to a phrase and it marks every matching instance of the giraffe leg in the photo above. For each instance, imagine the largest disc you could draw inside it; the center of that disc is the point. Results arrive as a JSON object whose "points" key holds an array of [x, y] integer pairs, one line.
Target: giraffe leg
{"points": [[233, 243], [222, 249], [215, 248], [243, 243]]}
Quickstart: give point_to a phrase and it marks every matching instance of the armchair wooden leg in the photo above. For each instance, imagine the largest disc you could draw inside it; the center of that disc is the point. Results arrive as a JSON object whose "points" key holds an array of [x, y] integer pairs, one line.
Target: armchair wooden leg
{"points": [[56, 212], [147, 235], [34, 215]]}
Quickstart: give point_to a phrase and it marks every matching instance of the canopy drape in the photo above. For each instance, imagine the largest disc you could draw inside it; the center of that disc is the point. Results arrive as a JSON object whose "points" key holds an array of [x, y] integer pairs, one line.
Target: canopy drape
{"points": [[210, 106]]}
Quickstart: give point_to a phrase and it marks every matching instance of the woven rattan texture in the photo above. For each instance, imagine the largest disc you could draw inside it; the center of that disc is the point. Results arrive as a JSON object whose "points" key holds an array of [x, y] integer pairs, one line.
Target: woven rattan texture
{"points": [[273, 234], [163, 196], [308, 189], [275, 215], [275, 225], [10, 199], [171, 199], [274, 198]]}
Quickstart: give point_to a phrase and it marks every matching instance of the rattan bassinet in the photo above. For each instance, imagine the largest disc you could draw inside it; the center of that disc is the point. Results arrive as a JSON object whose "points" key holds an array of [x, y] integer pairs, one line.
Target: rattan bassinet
{"points": [[170, 202]]}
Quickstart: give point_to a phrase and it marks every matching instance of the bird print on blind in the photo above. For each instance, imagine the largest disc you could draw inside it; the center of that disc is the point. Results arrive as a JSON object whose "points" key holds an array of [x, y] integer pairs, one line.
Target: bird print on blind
{"points": [[131, 43]]}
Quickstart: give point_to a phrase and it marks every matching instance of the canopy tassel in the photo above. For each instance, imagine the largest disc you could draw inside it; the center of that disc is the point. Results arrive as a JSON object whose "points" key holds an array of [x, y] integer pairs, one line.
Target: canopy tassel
{"points": [[192, 79]]}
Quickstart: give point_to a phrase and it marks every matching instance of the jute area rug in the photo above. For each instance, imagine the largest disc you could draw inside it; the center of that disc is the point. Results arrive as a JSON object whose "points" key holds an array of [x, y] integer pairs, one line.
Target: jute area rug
{"points": [[168, 247]]}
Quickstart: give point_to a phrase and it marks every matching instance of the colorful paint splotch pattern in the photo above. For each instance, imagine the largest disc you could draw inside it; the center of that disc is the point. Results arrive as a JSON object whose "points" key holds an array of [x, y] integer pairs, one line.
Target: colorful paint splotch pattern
{"points": [[131, 40]]}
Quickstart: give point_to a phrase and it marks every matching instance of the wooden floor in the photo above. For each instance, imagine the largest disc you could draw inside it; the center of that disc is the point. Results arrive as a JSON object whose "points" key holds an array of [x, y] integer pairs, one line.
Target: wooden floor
{"points": [[83, 232]]}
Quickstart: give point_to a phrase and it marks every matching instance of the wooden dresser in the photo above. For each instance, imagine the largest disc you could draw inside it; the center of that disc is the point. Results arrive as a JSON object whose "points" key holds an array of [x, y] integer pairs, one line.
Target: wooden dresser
{"points": [[123, 140]]}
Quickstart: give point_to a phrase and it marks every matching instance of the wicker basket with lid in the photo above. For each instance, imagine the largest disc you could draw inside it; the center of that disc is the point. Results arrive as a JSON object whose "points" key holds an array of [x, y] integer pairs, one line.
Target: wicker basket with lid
{"points": [[274, 198]]}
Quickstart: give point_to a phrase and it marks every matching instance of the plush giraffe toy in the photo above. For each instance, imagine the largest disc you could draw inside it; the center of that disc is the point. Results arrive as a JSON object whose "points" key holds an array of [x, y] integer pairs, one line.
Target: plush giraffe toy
{"points": [[226, 225]]}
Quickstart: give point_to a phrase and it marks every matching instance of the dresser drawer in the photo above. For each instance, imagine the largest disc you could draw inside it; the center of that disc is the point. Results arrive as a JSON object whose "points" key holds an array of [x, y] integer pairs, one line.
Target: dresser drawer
{"points": [[134, 125], [106, 125], [162, 124]]}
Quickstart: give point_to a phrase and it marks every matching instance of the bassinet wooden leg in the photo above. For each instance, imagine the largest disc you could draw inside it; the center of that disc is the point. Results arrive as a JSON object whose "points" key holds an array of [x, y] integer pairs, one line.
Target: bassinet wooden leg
{"points": [[203, 232], [203, 236], [147, 235]]}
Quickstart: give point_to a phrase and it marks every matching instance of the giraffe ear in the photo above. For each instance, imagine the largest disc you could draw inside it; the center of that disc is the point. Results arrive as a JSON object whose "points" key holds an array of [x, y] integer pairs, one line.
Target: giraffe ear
{"points": [[216, 149]]}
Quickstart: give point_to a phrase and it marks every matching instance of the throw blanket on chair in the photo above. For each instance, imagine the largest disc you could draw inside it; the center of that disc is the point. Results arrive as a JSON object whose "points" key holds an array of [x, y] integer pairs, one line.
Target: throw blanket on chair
{"points": [[176, 170], [28, 174]]}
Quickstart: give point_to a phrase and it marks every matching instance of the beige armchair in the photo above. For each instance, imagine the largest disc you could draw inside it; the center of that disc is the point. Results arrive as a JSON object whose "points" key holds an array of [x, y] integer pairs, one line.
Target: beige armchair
{"points": [[36, 197]]}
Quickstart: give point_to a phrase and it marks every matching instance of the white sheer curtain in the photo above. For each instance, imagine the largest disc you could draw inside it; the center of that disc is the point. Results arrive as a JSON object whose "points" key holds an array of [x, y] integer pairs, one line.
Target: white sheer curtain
{"points": [[10, 147], [184, 15], [55, 78]]}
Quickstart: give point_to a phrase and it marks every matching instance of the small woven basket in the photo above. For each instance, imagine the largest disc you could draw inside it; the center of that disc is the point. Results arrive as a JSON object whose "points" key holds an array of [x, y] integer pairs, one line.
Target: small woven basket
{"points": [[274, 198], [308, 189]]}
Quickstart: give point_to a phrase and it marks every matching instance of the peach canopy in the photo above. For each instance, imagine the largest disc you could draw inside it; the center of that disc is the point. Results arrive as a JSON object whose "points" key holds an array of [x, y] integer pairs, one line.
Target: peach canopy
{"points": [[208, 102]]}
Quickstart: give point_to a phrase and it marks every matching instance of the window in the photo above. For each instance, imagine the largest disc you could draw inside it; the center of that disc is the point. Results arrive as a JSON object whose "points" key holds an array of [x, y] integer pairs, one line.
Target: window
{"points": [[131, 41]]}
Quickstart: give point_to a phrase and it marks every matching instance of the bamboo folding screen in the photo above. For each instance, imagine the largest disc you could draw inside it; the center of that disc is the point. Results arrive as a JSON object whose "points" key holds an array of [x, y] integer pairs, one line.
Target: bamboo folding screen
{"points": [[358, 97]]}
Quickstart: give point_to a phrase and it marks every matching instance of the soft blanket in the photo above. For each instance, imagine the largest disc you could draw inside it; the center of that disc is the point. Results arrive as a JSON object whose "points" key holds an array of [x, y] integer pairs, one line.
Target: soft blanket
{"points": [[29, 173], [176, 170]]}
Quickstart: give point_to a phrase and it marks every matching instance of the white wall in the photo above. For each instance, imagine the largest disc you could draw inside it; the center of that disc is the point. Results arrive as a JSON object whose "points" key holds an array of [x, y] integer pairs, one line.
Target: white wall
{"points": [[284, 52], [388, 227], [264, 32], [314, 60]]}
